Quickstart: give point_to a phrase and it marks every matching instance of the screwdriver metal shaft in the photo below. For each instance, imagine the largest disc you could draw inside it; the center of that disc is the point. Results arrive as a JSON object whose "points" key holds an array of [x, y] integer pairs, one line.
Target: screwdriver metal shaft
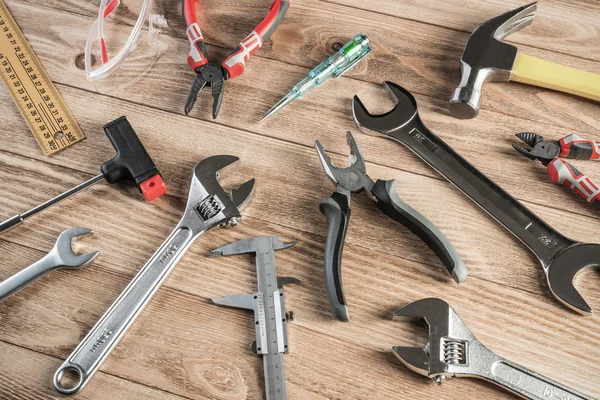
{"points": [[19, 218]]}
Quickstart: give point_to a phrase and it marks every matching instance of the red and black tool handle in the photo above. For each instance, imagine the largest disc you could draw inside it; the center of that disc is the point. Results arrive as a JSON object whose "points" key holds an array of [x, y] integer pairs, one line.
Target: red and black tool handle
{"points": [[235, 63], [337, 210], [573, 146], [132, 165], [563, 173]]}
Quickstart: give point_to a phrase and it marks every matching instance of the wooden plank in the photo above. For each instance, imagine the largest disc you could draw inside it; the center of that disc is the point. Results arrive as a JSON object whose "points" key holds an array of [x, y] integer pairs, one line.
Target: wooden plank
{"points": [[188, 347], [562, 27], [422, 59], [277, 187], [184, 346], [30, 372]]}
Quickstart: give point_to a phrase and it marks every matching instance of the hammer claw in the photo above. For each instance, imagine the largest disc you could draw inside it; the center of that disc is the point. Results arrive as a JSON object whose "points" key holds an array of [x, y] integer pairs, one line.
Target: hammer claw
{"points": [[512, 21]]}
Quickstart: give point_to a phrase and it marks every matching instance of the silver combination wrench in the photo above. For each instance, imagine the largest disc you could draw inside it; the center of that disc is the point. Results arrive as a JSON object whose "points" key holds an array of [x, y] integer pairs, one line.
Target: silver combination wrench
{"points": [[61, 256], [208, 206], [453, 351], [561, 258], [268, 306]]}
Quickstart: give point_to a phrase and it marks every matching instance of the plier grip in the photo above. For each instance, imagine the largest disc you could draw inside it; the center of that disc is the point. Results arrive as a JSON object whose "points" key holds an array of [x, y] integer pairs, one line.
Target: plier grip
{"points": [[551, 153], [235, 63]]}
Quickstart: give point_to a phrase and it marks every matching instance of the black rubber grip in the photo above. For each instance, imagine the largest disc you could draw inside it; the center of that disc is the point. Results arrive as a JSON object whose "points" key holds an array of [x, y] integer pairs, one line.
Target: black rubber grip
{"points": [[337, 210], [389, 202], [132, 165]]}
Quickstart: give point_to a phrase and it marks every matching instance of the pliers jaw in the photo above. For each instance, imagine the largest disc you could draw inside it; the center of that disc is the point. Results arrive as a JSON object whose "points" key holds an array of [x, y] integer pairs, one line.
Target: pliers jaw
{"points": [[541, 150], [213, 76], [353, 178]]}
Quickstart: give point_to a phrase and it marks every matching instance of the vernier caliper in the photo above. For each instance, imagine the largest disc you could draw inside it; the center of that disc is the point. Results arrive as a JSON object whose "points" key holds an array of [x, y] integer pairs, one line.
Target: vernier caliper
{"points": [[268, 306]]}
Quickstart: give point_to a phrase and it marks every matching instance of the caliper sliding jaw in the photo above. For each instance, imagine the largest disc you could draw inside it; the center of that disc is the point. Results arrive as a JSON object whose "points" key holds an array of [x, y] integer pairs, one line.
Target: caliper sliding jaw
{"points": [[268, 307]]}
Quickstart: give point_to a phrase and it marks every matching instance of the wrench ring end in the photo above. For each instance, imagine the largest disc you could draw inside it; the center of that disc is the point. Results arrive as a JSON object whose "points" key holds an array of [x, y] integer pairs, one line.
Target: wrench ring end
{"points": [[60, 373]]}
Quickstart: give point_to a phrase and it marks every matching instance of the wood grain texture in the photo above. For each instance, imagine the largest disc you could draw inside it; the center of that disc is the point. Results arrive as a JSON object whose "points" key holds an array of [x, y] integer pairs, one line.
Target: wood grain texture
{"points": [[182, 346]]}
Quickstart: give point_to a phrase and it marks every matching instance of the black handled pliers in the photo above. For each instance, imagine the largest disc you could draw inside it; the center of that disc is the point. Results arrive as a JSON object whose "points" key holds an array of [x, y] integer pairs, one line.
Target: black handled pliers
{"points": [[337, 209]]}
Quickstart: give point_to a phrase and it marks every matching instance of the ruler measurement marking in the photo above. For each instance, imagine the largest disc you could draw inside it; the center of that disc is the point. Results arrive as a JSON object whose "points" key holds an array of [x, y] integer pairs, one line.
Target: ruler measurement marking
{"points": [[30, 101], [32, 90]]}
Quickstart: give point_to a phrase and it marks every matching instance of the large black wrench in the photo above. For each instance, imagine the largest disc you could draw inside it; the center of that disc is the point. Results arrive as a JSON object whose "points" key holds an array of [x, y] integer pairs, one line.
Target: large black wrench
{"points": [[562, 258]]}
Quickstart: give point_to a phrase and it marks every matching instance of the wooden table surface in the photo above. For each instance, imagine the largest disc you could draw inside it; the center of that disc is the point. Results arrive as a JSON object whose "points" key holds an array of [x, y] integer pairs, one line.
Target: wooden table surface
{"points": [[182, 346]]}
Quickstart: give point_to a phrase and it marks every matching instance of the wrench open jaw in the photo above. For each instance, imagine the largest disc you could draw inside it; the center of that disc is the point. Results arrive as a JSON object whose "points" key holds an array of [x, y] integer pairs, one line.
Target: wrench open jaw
{"points": [[62, 249], [561, 258], [208, 206], [61, 256], [454, 351]]}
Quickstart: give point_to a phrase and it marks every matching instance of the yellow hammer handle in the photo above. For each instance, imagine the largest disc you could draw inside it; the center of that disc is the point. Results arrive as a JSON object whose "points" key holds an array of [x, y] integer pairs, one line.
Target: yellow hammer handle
{"points": [[538, 72]]}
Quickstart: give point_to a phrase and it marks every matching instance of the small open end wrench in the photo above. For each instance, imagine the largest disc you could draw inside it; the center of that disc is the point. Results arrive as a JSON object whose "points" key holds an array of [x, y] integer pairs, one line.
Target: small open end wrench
{"points": [[208, 206], [561, 258], [453, 351], [61, 256]]}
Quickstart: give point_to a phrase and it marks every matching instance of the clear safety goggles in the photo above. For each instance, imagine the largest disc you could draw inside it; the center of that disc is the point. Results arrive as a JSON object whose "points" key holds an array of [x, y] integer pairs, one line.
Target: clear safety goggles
{"points": [[156, 21]]}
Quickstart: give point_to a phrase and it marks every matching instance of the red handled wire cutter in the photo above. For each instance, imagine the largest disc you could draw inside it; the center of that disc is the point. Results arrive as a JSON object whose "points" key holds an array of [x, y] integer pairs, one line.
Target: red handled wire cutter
{"points": [[214, 75], [550, 154]]}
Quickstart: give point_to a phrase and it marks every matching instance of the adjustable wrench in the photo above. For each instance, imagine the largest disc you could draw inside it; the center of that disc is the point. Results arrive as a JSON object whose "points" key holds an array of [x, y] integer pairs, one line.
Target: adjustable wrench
{"points": [[561, 258], [453, 351], [208, 206], [61, 256]]}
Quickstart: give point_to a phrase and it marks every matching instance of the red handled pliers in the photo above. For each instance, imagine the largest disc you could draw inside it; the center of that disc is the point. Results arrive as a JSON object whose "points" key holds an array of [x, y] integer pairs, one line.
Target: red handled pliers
{"points": [[214, 75], [550, 154]]}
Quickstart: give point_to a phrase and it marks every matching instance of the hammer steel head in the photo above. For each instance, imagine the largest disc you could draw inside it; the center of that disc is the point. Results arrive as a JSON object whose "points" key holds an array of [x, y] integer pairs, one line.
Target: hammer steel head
{"points": [[62, 250], [485, 58], [208, 199]]}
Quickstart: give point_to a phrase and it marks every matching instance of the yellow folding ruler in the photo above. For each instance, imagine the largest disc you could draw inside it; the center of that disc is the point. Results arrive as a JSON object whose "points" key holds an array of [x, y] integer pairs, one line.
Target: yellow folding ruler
{"points": [[35, 95]]}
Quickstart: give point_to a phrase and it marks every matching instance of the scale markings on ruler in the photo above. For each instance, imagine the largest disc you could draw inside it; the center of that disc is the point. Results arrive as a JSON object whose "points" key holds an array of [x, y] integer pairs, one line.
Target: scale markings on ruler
{"points": [[35, 95]]}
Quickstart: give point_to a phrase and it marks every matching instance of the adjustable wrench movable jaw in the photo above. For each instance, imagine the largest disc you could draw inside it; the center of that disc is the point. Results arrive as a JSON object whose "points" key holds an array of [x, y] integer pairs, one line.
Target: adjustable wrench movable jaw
{"points": [[454, 351], [486, 58], [208, 204], [445, 329]]}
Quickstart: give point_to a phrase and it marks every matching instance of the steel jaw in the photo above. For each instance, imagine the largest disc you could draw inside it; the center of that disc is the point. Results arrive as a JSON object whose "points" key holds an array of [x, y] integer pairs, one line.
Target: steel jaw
{"points": [[268, 283], [208, 200], [445, 327], [453, 351], [353, 178], [561, 257]]}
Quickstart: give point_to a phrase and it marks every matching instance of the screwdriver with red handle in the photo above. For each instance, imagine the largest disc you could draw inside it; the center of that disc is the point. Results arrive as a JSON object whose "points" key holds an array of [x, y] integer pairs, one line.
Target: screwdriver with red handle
{"points": [[560, 171], [131, 166]]}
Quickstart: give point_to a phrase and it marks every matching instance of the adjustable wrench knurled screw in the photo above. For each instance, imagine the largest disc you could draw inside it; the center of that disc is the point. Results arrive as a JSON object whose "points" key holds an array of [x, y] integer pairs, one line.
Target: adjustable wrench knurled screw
{"points": [[208, 206], [453, 351]]}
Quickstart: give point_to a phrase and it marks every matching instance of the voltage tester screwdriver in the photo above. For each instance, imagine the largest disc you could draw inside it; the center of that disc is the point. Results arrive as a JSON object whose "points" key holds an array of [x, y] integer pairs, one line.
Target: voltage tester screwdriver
{"points": [[132, 166], [340, 62]]}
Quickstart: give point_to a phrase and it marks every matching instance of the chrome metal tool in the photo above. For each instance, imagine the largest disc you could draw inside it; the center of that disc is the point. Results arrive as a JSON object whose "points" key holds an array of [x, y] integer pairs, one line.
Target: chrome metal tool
{"points": [[208, 206], [61, 256], [453, 351], [268, 306], [353, 179], [561, 257]]}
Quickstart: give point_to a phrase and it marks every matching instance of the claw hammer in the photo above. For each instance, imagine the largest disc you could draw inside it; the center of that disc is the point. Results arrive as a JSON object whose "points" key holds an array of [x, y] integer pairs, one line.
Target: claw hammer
{"points": [[486, 58]]}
